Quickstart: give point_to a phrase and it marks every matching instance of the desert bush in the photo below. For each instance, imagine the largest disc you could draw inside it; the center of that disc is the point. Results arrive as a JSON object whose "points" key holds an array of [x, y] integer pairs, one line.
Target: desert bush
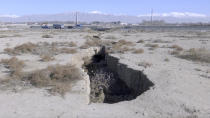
{"points": [[46, 58], [140, 41], [72, 44], [174, 52], [177, 47], [201, 55], [42, 48], [68, 50], [110, 37], [66, 44], [144, 64], [3, 36], [14, 65], [119, 49], [166, 59], [160, 41], [92, 43], [152, 45], [47, 36], [59, 78], [24, 48], [138, 51], [124, 42]]}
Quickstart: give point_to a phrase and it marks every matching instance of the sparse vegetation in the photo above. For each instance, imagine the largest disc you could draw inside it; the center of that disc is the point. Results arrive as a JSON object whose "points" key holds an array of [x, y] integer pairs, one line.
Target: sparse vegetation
{"points": [[3, 36], [160, 41], [126, 43], [91, 43], [145, 64], [14, 65], [68, 50], [42, 48], [58, 78], [152, 45], [177, 47], [166, 60], [140, 41], [24, 48], [110, 37], [138, 51], [46, 58], [201, 55], [175, 52], [47, 36], [72, 44]]}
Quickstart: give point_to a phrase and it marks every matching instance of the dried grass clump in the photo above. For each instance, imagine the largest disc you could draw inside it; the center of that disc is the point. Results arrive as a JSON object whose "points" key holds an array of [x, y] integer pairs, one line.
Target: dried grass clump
{"points": [[175, 52], [138, 51], [3, 36], [68, 50], [59, 78], [124, 42], [24, 48], [119, 49], [201, 55], [72, 44], [145, 64], [177, 47], [91, 43], [46, 58], [14, 65], [140, 41], [110, 37], [161, 41], [47, 36], [166, 60], [152, 45]]}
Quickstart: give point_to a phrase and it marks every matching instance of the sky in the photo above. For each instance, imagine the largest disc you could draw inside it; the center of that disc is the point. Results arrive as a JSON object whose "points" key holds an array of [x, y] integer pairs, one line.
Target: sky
{"points": [[118, 7]]}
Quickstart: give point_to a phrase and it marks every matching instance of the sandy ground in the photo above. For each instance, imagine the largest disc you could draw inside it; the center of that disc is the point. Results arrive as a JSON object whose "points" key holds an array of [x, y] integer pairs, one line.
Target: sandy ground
{"points": [[179, 91]]}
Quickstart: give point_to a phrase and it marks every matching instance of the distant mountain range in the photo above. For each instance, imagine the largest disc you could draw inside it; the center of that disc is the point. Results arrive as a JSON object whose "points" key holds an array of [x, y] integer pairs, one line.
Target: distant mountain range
{"points": [[174, 17]]}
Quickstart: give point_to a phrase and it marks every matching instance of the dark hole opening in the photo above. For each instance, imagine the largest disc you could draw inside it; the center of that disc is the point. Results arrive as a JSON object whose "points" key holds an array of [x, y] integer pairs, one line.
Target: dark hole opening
{"points": [[107, 86]]}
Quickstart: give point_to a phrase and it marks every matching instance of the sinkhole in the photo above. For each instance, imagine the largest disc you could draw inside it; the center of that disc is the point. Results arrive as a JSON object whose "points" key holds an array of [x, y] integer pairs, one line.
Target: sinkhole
{"points": [[113, 82]]}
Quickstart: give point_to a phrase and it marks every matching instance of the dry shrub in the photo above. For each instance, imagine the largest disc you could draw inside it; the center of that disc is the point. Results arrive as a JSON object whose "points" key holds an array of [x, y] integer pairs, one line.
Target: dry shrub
{"points": [[140, 41], [138, 51], [91, 43], [177, 47], [166, 59], [59, 78], [24, 48], [14, 65], [42, 48], [152, 45], [47, 36], [124, 42], [175, 52], [119, 49], [110, 37], [46, 58], [201, 55], [160, 41], [72, 44], [145, 64], [68, 50], [3, 36]]}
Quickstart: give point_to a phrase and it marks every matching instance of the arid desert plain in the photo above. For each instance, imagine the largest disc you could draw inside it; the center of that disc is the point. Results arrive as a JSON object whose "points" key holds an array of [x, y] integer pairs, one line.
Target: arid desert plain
{"points": [[119, 73]]}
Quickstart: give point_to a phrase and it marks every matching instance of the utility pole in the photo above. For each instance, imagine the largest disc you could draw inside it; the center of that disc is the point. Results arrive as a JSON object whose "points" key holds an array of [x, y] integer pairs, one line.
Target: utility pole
{"points": [[76, 19], [151, 16]]}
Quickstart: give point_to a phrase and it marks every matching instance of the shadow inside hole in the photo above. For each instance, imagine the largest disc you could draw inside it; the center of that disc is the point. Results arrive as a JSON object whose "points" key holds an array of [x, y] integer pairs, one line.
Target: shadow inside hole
{"points": [[108, 85]]}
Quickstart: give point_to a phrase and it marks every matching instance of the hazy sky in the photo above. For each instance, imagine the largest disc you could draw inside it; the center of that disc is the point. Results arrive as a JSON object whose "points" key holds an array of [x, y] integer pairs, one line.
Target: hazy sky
{"points": [[129, 7]]}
